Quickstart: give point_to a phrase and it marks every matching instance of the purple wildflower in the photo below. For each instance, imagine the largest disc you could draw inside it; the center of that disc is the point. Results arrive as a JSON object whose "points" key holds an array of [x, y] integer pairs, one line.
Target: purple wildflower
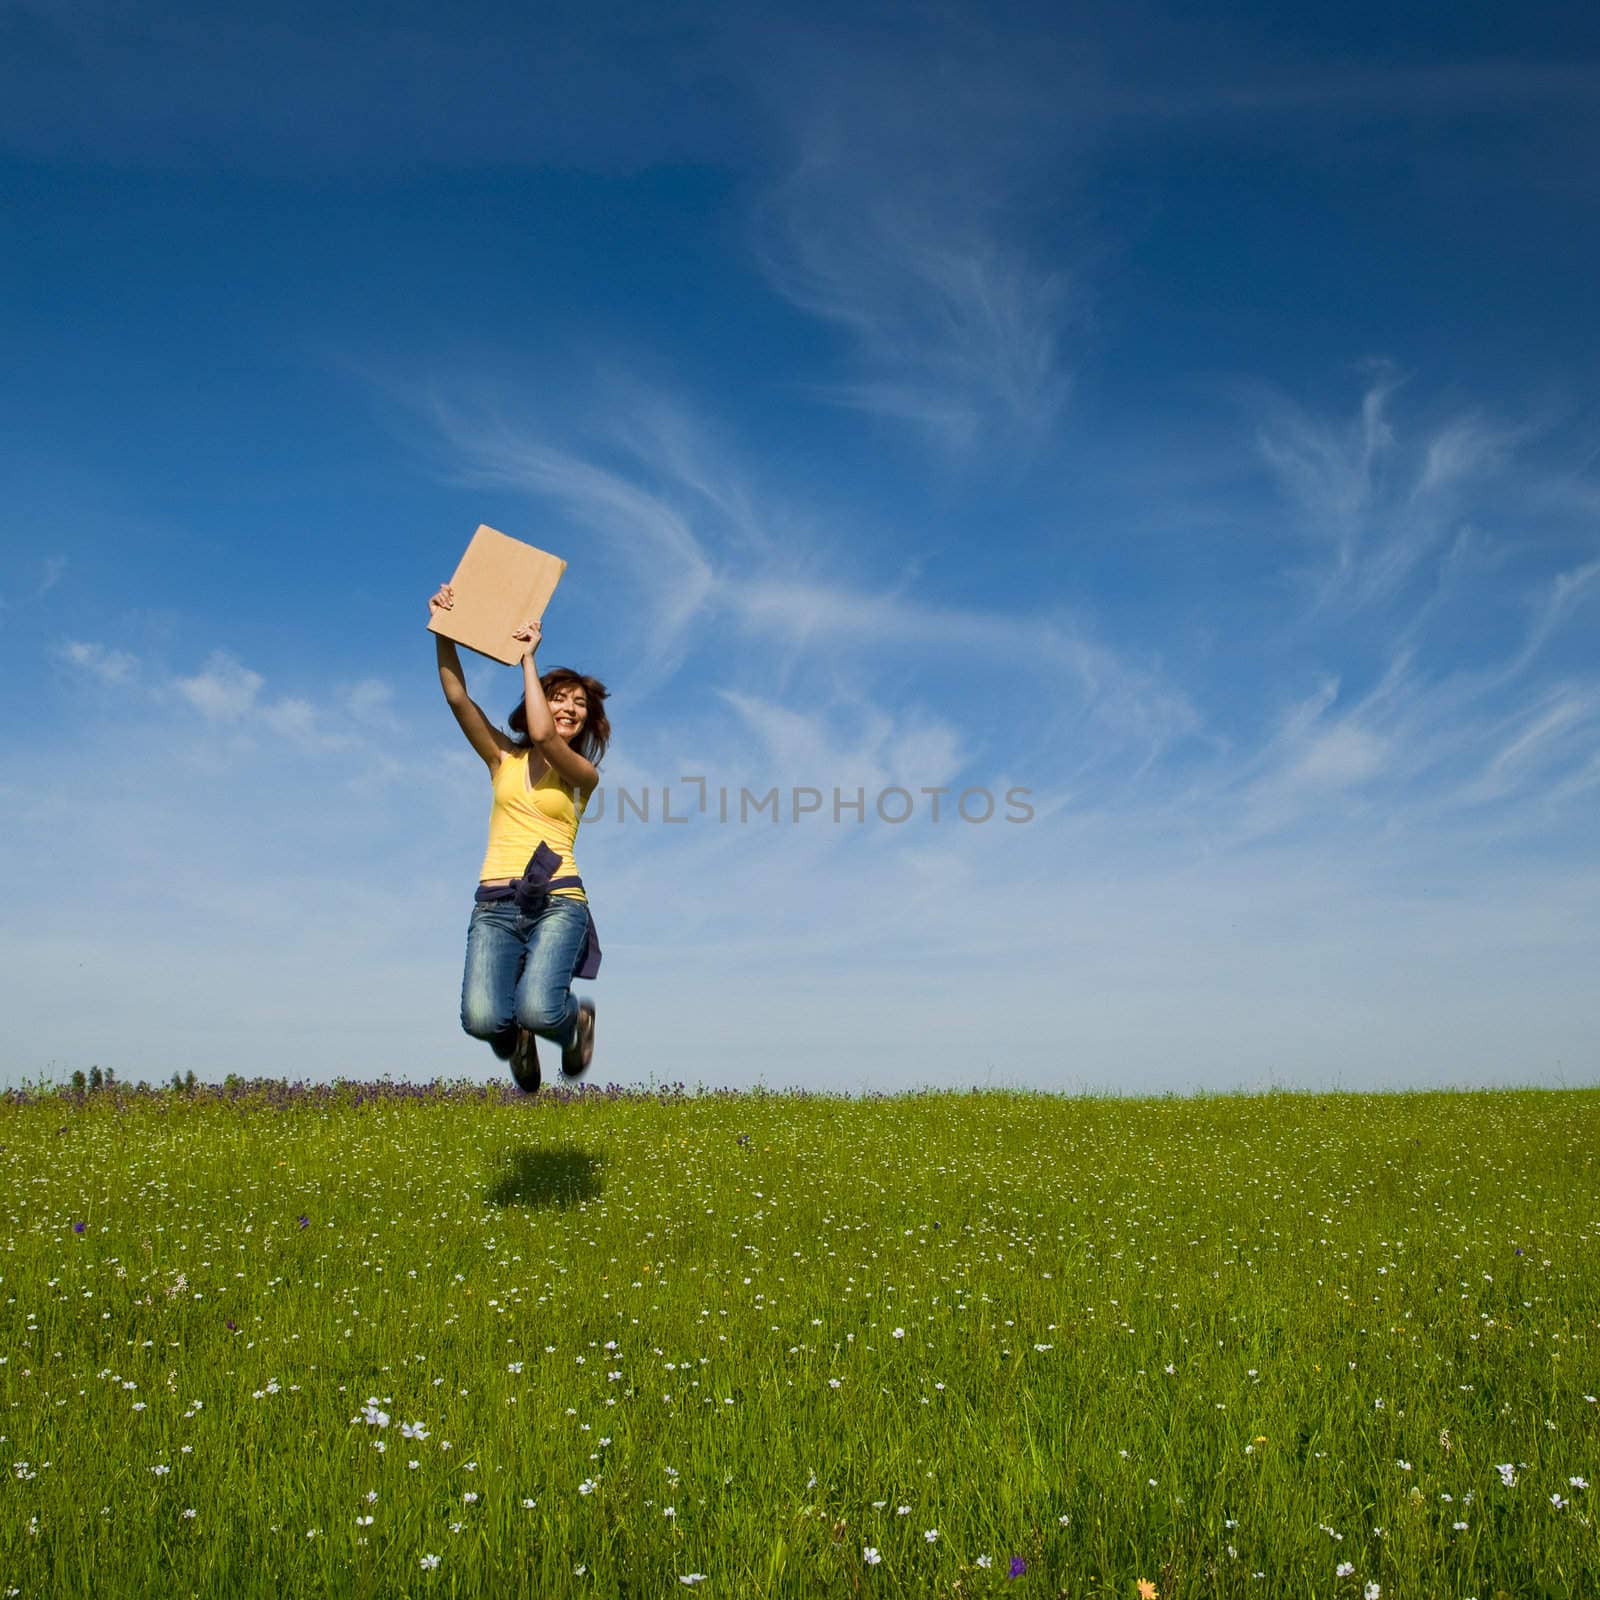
{"points": [[1519, 1249], [1018, 1567], [230, 1324], [744, 1138], [304, 1220], [78, 1227]]}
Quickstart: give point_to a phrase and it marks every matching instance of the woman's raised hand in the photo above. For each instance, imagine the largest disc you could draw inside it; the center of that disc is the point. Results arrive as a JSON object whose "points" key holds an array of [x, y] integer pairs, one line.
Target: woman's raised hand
{"points": [[442, 601], [530, 633]]}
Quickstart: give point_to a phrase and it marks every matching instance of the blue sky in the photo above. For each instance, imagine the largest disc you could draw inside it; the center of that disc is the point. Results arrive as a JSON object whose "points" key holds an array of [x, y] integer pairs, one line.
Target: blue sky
{"points": [[1188, 417]]}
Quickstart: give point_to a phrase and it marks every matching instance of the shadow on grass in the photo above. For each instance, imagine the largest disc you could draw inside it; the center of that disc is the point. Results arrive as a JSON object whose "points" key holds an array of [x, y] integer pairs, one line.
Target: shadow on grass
{"points": [[545, 1178]]}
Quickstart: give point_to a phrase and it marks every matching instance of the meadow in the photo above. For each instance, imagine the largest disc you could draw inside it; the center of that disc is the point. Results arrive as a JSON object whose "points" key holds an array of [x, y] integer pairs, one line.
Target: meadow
{"points": [[280, 1340]]}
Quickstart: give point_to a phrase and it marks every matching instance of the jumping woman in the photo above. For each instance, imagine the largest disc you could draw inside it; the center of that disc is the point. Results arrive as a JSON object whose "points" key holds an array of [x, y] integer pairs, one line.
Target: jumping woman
{"points": [[531, 931]]}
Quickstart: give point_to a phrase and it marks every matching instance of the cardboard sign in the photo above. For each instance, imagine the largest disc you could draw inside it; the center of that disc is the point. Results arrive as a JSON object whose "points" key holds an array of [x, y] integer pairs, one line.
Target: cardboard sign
{"points": [[500, 584]]}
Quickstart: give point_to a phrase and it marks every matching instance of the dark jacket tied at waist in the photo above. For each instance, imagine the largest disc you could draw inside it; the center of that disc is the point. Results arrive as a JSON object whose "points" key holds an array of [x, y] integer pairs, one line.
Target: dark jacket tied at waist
{"points": [[531, 892]]}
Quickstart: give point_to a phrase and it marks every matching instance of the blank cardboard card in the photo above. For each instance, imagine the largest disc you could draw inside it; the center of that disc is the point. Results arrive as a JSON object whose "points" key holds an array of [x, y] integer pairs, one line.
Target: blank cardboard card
{"points": [[500, 584]]}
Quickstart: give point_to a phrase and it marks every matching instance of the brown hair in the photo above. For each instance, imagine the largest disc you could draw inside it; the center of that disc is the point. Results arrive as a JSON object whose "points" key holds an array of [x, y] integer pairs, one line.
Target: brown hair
{"points": [[596, 734]]}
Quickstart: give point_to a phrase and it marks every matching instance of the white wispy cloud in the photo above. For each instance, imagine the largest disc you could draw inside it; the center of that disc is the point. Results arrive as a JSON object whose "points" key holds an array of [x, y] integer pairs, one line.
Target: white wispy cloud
{"points": [[1541, 738], [305, 724], [1381, 501], [1340, 758], [370, 704], [1565, 594], [103, 662], [908, 231], [1132, 702], [1462, 449], [1330, 470], [1473, 724], [224, 690], [860, 745], [229, 695]]}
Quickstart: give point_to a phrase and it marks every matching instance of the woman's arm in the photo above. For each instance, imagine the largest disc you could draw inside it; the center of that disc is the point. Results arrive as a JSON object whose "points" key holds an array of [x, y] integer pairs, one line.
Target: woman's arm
{"points": [[576, 769], [480, 734]]}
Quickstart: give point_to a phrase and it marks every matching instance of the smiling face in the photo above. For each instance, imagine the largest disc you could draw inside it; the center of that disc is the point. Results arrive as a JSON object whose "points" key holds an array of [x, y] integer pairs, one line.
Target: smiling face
{"points": [[569, 705]]}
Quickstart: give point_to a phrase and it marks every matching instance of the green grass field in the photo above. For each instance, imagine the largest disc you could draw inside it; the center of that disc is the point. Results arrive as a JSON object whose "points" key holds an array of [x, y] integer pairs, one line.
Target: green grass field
{"points": [[285, 1342]]}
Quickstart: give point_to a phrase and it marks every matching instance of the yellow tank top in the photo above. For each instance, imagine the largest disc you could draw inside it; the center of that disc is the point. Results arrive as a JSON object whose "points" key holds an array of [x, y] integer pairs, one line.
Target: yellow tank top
{"points": [[522, 816]]}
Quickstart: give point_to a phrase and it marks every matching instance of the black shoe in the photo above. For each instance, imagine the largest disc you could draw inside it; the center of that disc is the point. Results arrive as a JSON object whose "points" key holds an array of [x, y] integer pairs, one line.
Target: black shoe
{"points": [[576, 1057], [525, 1062]]}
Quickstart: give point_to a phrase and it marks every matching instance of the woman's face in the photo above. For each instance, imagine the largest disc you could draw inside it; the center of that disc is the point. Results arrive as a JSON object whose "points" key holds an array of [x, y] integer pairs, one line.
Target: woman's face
{"points": [[569, 705]]}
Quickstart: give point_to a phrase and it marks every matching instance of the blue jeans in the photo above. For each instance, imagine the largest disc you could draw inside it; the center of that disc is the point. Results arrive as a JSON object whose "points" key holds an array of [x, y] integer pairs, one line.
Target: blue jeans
{"points": [[519, 971]]}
